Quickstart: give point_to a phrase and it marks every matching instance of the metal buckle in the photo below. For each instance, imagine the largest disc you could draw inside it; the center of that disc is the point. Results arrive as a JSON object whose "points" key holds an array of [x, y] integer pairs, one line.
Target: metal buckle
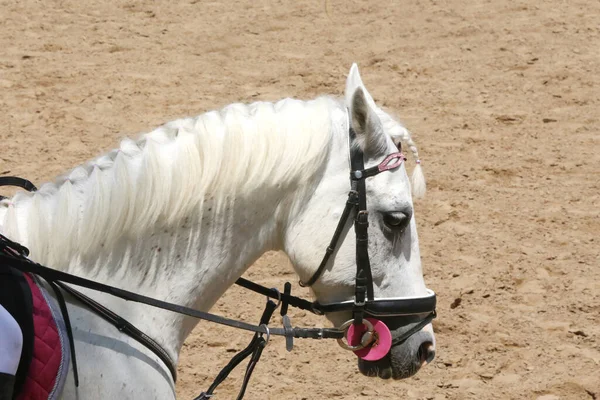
{"points": [[360, 304], [362, 217]]}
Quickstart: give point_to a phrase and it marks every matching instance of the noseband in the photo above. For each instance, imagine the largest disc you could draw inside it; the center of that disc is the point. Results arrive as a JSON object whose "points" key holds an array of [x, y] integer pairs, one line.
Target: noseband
{"points": [[416, 312]]}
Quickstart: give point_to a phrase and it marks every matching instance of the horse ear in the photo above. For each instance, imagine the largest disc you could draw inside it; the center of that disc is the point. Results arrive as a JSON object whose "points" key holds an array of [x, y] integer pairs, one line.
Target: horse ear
{"points": [[363, 115], [367, 125], [354, 82]]}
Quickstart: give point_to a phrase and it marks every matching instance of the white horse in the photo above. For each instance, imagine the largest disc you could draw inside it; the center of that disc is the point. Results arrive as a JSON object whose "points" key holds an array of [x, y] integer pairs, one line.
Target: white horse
{"points": [[182, 212]]}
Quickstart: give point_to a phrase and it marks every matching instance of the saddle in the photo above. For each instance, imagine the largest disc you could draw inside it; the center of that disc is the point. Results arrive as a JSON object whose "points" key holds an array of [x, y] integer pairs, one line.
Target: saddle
{"points": [[15, 296], [44, 358]]}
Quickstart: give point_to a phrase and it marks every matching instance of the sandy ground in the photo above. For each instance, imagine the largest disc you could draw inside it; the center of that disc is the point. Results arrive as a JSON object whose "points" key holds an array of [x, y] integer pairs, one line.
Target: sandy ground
{"points": [[504, 100]]}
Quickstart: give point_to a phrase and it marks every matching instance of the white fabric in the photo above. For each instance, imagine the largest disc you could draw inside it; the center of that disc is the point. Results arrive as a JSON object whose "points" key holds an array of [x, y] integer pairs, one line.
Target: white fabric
{"points": [[11, 343]]}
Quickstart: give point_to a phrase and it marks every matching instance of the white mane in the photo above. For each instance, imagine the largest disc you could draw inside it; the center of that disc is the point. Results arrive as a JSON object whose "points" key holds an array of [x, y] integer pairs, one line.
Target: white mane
{"points": [[168, 173]]}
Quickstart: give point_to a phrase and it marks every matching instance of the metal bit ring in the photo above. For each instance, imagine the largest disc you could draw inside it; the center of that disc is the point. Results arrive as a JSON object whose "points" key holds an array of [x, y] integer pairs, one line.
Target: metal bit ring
{"points": [[344, 327]]}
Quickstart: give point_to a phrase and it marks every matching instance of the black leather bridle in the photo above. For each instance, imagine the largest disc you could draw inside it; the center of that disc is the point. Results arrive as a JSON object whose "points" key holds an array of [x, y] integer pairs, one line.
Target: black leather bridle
{"points": [[407, 310], [415, 311]]}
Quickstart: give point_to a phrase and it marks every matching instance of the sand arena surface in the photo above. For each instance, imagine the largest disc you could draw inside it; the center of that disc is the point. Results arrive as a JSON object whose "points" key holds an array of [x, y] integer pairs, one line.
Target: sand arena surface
{"points": [[502, 96]]}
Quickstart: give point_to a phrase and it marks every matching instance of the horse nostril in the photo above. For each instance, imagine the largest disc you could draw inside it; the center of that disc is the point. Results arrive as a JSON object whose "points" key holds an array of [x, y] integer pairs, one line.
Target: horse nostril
{"points": [[397, 220], [426, 353]]}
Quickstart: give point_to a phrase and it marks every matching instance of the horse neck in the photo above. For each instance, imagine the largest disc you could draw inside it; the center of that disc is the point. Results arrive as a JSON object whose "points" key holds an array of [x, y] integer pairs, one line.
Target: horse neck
{"points": [[191, 262], [192, 265]]}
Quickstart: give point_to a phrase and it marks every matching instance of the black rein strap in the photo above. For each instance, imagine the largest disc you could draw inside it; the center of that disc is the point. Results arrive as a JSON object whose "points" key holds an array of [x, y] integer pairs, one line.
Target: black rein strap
{"points": [[254, 349], [50, 274], [18, 182]]}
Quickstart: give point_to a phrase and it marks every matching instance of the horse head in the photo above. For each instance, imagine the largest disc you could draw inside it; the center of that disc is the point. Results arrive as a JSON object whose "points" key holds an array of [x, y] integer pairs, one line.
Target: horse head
{"points": [[393, 246]]}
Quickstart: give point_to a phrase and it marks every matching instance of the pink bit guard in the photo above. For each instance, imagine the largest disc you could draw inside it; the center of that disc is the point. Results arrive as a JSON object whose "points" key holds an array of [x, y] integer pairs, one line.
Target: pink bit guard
{"points": [[376, 350]]}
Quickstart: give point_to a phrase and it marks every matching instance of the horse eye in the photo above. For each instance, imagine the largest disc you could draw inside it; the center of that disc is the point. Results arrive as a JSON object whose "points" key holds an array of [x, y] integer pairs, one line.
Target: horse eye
{"points": [[397, 220], [398, 144]]}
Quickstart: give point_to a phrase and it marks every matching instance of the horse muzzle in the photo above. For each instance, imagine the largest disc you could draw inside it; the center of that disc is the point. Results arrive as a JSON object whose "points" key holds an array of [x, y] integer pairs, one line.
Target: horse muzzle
{"points": [[405, 357]]}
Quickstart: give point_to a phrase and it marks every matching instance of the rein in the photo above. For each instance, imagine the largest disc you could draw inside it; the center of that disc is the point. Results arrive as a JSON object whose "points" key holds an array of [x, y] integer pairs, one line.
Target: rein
{"points": [[18, 182], [418, 310], [15, 255]]}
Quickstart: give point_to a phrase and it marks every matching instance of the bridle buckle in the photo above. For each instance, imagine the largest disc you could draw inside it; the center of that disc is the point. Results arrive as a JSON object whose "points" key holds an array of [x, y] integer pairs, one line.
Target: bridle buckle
{"points": [[362, 217]]}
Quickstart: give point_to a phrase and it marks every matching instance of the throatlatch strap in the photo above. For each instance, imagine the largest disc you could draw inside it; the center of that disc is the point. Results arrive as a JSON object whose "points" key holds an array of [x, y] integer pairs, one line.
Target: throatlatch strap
{"points": [[351, 205]]}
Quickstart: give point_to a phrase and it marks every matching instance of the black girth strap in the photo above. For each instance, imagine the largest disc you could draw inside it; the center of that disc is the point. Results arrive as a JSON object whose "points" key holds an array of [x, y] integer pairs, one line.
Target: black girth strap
{"points": [[65, 313]]}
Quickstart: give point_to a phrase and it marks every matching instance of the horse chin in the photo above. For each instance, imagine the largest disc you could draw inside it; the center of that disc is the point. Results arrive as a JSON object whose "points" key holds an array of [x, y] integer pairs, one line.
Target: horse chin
{"points": [[403, 360], [388, 368]]}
